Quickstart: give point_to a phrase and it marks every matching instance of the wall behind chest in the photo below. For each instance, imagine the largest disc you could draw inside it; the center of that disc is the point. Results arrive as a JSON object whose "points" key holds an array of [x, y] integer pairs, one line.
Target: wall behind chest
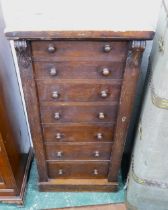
{"points": [[81, 15], [10, 90]]}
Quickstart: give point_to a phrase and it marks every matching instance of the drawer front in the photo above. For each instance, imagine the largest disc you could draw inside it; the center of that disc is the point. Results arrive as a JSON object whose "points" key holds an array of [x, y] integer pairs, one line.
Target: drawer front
{"points": [[80, 92], [81, 151], [78, 113], [78, 50], [78, 133], [79, 70], [77, 170]]}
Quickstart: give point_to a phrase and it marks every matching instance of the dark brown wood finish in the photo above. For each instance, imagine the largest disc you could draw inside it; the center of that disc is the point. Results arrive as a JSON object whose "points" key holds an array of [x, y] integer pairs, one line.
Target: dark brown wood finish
{"points": [[78, 51], [78, 170], [78, 113], [78, 70], [79, 185], [62, 86], [100, 35], [29, 87], [128, 91], [78, 151], [78, 133], [80, 91], [94, 207]]}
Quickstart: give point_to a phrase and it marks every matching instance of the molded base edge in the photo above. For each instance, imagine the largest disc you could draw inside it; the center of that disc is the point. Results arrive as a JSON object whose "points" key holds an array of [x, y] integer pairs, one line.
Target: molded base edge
{"points": [[78, 185], [19, 200]]}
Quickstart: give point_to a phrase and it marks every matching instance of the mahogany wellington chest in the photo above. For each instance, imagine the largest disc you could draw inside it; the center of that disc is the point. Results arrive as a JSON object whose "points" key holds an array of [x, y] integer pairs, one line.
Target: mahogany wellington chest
{"points": [[79, 90]]}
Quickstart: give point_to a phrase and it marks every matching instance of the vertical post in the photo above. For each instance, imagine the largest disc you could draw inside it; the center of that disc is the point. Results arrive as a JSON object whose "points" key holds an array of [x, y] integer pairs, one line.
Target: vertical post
{"points": [[23, 50], [126, 102]]}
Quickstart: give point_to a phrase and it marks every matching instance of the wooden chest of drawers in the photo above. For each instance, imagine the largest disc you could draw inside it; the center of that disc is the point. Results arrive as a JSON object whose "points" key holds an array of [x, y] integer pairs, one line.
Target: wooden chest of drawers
{"points": [[79, 94], [15, 151]]}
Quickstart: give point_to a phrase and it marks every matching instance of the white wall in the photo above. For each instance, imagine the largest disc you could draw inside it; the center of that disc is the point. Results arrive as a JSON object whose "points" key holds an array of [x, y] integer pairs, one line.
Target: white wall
{"points": [[10, 83], [115, 15]]}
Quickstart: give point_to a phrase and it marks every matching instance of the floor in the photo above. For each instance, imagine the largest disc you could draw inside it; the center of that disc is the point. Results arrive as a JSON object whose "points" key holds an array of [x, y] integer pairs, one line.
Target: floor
{"points": [[35, 200]]}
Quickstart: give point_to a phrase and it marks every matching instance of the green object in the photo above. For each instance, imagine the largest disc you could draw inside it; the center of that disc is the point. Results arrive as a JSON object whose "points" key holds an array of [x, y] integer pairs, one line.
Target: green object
{"points": [[35, 200]]}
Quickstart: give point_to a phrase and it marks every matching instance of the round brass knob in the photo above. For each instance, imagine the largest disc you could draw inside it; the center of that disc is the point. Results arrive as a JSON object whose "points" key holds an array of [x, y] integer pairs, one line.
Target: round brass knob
{"points": [[107, 48], [58, 136], [104, 94], [105, 72], [55, 94], [101, 115], [53, 71], [60, 171], [96, 154], [95, 172], [57, 115], [99, 136], [51, 48], [59, 154]]}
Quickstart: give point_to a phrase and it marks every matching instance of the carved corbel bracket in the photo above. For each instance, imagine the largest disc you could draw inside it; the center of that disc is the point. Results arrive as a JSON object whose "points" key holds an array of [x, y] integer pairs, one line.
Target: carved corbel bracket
{"points": [[135, 52], [24, 57]]}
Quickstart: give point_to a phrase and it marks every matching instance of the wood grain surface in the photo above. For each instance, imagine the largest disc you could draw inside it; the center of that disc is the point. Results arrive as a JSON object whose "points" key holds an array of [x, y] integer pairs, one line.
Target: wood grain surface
{"points": [[83, 35], [78, 151], [69, 91], [78, 51], [78, 113], [102, 132], [77, 169], [96, 207], [79, 70]]}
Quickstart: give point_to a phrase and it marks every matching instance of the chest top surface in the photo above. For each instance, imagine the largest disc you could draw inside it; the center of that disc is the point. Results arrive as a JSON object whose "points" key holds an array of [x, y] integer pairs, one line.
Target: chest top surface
{"points": [[79, 15]]}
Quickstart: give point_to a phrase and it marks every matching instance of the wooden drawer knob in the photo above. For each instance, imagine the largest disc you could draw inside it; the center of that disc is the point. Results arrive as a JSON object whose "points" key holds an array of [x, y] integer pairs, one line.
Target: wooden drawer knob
{"points": [[96, 154], [107, 48], [105, 72], [104, 93], [53, 71], [57, 115], [60, 171], [101, 115], [59, 154], [99, 136], [58, 136], [55, 94], [95, 172], [51, 48]]}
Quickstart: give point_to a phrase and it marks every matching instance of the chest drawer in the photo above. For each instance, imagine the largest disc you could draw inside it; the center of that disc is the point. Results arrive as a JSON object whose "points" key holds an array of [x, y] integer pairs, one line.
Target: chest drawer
{"points": [[79, 170], [78, 133], [78, 151], [79, 91], [78, 113], [79, 50], [79, 70]]}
